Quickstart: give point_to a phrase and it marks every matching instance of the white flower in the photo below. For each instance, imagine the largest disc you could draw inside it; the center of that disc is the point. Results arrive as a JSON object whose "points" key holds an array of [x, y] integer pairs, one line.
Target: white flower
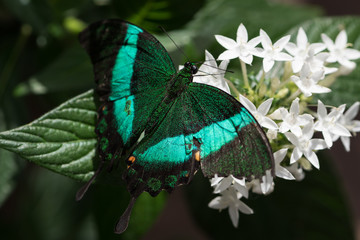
{"points": [[296, 171], [242, 48], [329, 124], [260, 113], [280, 171], [230, 198], [291, 120], [339, 51], [347, 120], [317, 61], [221, 184], [300, 50], [209, 73], [272, 53], [304, 145], [308, 81], [265, 186]]}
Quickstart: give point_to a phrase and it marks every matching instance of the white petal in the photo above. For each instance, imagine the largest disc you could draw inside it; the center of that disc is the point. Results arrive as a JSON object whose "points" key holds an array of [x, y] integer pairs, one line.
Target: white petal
{"points": [[346, 63], [277, 114], [242, 190], [247, 104], [291, 48], [209, 59], [241, 35], [281, 56], [226, 42], [297, 64], [346, 143], [244, 208], [319, 89], [296, 171], [308, 130], [234, 215], [296, 130], [268, 64], [313, 159], [352, 54], [268, 123], [223, 185], [281, 43], [341, 39], [340, 130], [265, 40], [328, 138], [301, 39], [352, 112], [282, 172], [215, 180], [328, 42], [217, 203], [280, 155], [253, 42], [266, 184], [264, 107], [317, 144], [228, 54], [247, 59], [296, 155], [294, 108], [292, 138], [321, 110]]}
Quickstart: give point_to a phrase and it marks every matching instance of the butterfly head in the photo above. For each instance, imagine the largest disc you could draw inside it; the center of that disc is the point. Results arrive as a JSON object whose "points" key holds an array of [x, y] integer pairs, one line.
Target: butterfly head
{"points": [[192, 67]]}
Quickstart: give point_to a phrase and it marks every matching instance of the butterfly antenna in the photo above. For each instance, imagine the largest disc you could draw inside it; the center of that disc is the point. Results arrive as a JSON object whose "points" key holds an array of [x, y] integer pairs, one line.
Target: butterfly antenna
{"points": [[203, 63], [163, 29]]}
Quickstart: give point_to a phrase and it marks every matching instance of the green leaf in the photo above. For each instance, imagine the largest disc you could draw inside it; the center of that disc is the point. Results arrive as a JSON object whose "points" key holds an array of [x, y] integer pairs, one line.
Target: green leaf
{"points": [[346, 88], [314, 208], [224, 16], [8, 168], [63, 140], [72, 70]]}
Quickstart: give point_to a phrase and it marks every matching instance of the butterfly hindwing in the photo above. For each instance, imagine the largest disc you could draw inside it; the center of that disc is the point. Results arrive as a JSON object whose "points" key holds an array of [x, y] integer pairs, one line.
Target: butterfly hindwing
{"points": [[204, 126], [234, 143]]}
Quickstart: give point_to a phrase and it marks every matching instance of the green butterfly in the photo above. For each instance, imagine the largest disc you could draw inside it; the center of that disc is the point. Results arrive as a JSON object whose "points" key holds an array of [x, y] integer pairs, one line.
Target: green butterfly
{"points": [[160, 122]]}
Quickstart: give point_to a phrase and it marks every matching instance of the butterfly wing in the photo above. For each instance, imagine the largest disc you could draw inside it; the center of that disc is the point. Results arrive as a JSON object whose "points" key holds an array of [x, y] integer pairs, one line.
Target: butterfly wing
{"points": [[204, 126], [130, 67]]}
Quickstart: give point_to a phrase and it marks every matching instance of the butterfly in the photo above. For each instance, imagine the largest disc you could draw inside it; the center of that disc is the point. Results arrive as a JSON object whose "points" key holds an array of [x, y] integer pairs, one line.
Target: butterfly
{"points": [[161, 123]]}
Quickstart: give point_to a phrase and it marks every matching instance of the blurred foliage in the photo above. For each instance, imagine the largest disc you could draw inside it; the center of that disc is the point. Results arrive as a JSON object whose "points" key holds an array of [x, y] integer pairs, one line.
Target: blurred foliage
{"points": [[42, 65], [311, 209]]}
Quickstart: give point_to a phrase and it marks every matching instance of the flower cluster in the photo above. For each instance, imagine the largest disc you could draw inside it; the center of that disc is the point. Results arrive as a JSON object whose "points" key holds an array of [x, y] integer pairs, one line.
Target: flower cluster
{"points": [[291, 126]]}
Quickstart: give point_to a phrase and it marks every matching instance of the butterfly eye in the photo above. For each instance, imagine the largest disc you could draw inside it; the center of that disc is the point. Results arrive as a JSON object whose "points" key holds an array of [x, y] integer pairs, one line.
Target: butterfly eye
{"points": [[187, 65], [194, 69]]}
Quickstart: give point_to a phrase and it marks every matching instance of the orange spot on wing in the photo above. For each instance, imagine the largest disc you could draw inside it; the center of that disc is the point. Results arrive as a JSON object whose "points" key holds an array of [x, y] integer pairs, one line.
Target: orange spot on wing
{"points": [[197, 156], [131, 159]]}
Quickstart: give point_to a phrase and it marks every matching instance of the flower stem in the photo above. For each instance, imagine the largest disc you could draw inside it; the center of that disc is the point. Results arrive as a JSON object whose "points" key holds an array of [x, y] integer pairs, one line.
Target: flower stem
{"points": [[293, 96], [245, 77], [232, 87]]}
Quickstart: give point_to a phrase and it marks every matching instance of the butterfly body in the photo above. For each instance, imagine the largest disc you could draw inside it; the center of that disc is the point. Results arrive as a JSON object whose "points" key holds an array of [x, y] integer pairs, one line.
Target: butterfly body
{"points": [[160, 122]]}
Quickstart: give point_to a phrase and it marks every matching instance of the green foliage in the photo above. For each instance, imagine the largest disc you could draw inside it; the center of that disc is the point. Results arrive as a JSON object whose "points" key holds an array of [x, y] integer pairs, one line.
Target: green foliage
{"points": [[311, 209], [346, 88], [41, 64], [63, 140]]}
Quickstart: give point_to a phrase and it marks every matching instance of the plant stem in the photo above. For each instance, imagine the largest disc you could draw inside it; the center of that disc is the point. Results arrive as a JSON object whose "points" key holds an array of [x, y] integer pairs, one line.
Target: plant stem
{"points": [[294, 95], [244, 73], [232, 87]]}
